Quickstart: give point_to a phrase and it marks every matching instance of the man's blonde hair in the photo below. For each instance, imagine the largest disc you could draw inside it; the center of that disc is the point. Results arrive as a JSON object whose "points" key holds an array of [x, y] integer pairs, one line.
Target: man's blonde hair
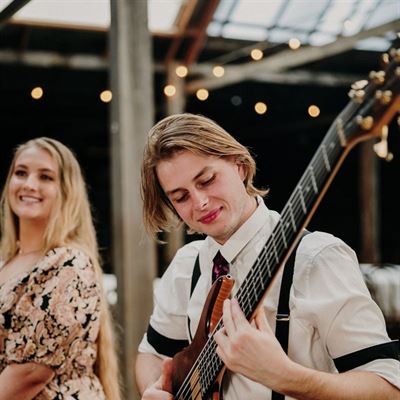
{"points": [[177, 133], [70, 224]]}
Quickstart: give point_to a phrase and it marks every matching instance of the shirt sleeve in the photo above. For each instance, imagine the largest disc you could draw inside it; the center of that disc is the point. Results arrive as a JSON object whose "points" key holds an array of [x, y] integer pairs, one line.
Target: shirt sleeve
{"points": [[57, 318], [350, 323], [167, 331]]}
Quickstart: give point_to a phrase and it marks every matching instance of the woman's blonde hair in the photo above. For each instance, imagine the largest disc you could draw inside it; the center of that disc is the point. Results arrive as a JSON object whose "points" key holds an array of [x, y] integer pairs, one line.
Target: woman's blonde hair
{"points": [[70, 224], [172, 135]]}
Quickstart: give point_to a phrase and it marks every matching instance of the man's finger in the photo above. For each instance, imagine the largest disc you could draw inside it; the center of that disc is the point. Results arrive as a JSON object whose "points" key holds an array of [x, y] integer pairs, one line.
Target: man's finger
{"points": [[261, 321], [229, 324], [238, 317]]}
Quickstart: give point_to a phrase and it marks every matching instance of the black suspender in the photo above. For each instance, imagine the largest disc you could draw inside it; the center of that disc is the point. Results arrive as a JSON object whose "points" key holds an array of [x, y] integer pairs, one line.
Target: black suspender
{"points": [[283, 311]]}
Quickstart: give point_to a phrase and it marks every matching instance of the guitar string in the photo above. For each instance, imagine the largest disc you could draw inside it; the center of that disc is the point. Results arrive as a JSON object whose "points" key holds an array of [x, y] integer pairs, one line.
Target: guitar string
{"points": [[320, 163]]}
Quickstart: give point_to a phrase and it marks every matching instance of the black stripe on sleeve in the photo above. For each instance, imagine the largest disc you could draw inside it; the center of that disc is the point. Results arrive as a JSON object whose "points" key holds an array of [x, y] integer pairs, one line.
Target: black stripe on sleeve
{"points": [[364, 356], [164, 345]]}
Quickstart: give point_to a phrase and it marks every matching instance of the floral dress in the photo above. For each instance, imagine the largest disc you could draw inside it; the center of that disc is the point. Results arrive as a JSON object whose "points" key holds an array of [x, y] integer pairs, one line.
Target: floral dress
{"points": [[50, 316]]}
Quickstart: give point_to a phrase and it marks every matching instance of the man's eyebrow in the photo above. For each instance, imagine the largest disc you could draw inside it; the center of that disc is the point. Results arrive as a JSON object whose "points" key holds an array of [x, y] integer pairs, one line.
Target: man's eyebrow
{"points": [[201, 172]]}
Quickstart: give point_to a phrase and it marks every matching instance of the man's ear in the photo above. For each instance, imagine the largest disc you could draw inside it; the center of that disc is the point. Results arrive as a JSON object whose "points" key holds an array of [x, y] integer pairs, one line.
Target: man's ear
{"points": [[242, 169]]}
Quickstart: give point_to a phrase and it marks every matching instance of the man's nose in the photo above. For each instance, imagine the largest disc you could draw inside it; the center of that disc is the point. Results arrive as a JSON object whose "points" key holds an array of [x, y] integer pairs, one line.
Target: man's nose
{"points": [[200, 199]]}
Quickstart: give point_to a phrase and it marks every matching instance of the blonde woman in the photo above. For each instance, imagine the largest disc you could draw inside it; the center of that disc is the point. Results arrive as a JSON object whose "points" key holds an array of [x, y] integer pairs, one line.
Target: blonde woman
{"points": [[56, 339]]}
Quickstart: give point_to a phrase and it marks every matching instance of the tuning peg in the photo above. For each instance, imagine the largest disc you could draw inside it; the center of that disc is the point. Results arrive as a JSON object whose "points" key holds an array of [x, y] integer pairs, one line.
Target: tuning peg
{"points": [[381, 148], [385, 97], [385, 58], [358, 85], [357, 95], [395, 54], [365, 123], [377, 77]]}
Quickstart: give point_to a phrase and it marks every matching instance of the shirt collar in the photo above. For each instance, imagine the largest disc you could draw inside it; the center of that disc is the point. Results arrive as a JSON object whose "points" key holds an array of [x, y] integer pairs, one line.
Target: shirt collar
{"points": [[233, 246]]}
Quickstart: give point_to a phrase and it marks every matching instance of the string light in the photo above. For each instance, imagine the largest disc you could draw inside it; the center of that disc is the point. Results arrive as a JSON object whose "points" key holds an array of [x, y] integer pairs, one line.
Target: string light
{"points": [[202, 94], [294, 43], [37, 93], [169, 90], [256, 54], [181, 71], [260, 107], [313, 111], [218, 71], [106, 96]]}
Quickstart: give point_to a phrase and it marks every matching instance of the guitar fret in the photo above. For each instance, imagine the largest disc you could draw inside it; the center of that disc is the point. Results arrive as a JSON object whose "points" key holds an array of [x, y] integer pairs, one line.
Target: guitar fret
{"points": [[303, 204], [313, 181], [292, 217], [260, 278], [340, 132], [283, 235], [326, 159], [274, 246]]}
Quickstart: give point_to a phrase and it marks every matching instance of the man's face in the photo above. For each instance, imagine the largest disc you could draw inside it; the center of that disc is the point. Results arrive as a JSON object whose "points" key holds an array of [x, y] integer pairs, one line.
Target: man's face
{"points": [[207, 192]]}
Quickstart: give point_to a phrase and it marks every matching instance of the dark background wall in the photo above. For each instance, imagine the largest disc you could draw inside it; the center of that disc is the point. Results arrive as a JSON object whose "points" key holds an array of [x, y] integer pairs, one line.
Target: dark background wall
{"points": [[283, 140]]}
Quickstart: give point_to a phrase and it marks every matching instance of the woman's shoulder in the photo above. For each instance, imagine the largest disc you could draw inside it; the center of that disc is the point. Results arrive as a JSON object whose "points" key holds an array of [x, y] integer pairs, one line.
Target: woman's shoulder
{"points": [[64, 257]]}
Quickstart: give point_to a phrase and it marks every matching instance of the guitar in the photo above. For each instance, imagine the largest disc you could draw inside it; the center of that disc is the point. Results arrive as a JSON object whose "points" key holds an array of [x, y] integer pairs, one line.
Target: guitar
{"points": [[197, 371]]}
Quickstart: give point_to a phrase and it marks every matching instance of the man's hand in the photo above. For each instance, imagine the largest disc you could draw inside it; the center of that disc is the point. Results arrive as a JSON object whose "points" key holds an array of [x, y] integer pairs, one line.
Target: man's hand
{"points": [[159, 390], [251, 351]]}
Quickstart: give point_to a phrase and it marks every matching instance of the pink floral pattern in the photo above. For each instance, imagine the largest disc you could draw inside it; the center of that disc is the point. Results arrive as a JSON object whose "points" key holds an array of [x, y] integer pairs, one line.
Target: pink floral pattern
{"points": [[51, 316]]}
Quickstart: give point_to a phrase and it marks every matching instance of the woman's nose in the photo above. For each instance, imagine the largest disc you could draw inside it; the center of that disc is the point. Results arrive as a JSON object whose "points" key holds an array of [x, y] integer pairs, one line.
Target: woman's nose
{"points": [[30, 182]]}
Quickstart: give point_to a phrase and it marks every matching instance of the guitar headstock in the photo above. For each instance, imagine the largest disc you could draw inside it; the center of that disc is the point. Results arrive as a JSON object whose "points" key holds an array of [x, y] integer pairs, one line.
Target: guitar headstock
{"points": [[374, 103]]}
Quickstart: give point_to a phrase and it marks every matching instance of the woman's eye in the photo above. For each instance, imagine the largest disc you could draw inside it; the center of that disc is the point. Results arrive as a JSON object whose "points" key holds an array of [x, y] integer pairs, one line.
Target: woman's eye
{"points": [[47, 178], [20, 172]]}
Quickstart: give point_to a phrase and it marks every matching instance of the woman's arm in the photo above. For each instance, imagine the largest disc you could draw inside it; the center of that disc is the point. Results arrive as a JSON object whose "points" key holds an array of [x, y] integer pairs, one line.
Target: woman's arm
{"points": [[24, 381]]}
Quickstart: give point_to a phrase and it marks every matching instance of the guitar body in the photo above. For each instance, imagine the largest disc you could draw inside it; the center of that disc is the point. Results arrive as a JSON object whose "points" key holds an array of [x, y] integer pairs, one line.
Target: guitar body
{"points": [[184, 361]]}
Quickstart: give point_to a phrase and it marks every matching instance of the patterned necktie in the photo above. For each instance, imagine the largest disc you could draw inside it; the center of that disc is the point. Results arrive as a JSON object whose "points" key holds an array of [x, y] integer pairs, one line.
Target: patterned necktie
{"points": [[220, 267]]}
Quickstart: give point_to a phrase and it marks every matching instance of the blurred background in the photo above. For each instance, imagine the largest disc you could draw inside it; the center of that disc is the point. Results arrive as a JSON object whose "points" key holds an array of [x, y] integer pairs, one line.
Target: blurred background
{"points": [[96, 74]]}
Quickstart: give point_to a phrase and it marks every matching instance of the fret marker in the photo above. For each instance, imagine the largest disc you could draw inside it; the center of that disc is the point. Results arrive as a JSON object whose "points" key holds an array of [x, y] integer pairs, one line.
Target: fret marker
{"points": [[340, 132]]}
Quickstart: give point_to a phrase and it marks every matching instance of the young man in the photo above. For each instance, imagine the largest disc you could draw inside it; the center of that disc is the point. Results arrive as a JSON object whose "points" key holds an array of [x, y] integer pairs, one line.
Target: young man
{"points": [[196, 173]]}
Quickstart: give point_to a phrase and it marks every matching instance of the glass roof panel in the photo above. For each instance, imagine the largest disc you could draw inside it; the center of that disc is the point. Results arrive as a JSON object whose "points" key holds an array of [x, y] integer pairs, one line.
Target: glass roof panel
{"points": [[336, 14], [387, 11], [317, 22], [256, 12], [235, 31], [303, 14]]}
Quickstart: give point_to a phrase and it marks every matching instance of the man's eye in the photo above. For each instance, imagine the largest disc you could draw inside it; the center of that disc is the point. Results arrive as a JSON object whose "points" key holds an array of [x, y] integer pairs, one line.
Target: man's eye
{"points": [[208, 181], [181, 199]]}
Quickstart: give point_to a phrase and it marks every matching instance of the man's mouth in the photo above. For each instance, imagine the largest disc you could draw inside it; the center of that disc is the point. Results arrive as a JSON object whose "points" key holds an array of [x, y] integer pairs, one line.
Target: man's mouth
{"points": [[210, 217]]}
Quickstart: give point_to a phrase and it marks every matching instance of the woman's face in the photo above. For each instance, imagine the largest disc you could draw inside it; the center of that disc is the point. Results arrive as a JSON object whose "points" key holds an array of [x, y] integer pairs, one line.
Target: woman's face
{"points": [[34, 185]]}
